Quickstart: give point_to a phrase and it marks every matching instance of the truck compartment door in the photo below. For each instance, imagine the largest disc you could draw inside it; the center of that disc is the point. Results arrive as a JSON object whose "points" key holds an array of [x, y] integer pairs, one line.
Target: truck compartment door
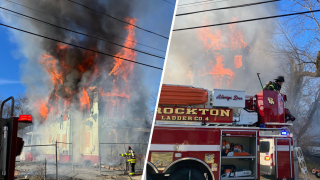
{"points": [[283, 151]]}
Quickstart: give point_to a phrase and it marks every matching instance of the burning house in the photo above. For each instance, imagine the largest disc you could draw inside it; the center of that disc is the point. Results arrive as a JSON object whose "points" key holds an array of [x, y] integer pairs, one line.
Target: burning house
{"points": [[94, 128], [226, 55], [87, 98]]}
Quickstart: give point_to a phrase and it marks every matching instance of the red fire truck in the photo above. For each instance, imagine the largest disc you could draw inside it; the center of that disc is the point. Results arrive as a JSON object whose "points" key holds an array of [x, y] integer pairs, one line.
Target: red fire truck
{"points": [[221, 134]]}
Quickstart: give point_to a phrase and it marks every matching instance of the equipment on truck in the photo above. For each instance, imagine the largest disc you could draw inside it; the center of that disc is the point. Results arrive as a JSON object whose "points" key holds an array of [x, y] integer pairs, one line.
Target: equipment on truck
{"points": [[207, 133], [316, 172], [243, 173], [289, 116], [232, 149], [230, 171]]}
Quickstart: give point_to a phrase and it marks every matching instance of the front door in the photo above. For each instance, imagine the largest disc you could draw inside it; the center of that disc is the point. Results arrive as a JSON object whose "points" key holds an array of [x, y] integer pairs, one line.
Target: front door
{"points": [[283, 150]]}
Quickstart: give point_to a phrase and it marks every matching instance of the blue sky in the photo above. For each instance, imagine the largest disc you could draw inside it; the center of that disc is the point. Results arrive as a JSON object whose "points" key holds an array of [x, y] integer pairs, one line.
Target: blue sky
{"points": [[9, 63], [158, 19]]}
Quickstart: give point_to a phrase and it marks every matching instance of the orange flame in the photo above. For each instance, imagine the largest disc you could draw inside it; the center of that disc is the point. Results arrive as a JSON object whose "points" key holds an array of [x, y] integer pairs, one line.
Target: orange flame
{"points": [[214, 42], [88, 62], [124, 69], [116, 93], [218, 71], [84, 100], [43, 108], [238, 61], [57, 67], [50, 64], [236, 37]]}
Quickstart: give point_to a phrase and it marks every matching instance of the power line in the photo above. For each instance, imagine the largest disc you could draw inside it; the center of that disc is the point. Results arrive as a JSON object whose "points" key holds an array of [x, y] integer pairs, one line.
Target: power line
{"points": [[194, 3], [230, 7], [118, 19], [81, 33], [247, 20], [78, 46], [201, 4], [82, 25], [168, 2]]}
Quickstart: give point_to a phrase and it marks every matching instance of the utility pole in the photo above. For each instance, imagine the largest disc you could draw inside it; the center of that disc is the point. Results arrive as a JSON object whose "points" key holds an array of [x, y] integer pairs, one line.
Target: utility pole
{"points": [[45, 168], [72, 158], [99, 159], [56, 160]]}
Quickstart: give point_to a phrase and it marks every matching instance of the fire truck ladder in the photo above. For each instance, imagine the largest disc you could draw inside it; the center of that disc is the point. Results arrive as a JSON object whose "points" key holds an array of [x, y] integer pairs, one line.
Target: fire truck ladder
{"points": [[302, 163]]}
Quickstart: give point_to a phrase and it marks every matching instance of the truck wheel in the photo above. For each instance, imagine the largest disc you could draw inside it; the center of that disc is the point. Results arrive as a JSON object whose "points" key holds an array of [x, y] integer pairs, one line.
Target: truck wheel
{"points": [[149, 177], [184, 174], [318, 174]]}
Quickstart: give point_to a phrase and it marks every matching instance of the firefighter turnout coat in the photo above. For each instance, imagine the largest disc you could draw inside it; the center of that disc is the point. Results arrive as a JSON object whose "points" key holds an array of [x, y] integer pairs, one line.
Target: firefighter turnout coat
{"points": [[130, 156]]}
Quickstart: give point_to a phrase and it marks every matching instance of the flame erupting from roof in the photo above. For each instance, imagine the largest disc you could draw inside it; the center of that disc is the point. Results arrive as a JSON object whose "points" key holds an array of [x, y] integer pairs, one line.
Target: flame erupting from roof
{"points": [[217, 43], [121, 69], [62, 71]]}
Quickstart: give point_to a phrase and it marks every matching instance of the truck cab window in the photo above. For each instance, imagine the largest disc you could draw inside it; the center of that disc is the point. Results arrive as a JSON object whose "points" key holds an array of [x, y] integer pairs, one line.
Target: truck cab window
{"points": [[264, 146]]}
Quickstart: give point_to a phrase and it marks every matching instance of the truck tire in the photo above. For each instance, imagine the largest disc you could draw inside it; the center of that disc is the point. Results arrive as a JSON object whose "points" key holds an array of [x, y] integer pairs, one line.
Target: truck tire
{"points": [[184, 174], [317, 174], [149, 177]]}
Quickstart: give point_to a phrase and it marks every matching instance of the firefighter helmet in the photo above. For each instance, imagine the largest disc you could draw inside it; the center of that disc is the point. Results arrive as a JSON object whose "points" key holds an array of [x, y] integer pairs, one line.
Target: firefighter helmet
{"points": [[279, 79], [129, 147]]}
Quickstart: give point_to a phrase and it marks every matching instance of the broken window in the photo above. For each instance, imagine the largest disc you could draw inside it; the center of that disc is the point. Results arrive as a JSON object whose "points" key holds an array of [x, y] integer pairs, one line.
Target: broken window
{"points": [[65, 117], [64, 138], [87, 139], [58, 139]]}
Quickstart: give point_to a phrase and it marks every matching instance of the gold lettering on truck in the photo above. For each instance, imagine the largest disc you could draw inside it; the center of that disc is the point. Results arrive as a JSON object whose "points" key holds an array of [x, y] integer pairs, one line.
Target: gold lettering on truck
{"points": [[203, 111], [214, 112], [225, 113], [159, 111], [168, 110], [192, 111], [270, 100], [177, 111]]}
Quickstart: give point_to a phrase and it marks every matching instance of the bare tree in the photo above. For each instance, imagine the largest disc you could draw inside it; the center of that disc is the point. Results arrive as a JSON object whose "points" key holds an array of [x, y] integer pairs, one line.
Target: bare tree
{"points": [[20, 106], [152, 104], [297, 48]]}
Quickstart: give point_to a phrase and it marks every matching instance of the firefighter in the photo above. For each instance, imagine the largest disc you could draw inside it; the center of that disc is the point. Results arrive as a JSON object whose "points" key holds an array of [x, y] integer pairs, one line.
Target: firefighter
{"points": [[276, 85], [131, 160]]}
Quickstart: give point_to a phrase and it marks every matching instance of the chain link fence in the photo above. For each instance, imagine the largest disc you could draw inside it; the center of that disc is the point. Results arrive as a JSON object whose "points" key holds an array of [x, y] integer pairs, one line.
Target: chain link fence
{"points": [[50, 161], [54, 161]]}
